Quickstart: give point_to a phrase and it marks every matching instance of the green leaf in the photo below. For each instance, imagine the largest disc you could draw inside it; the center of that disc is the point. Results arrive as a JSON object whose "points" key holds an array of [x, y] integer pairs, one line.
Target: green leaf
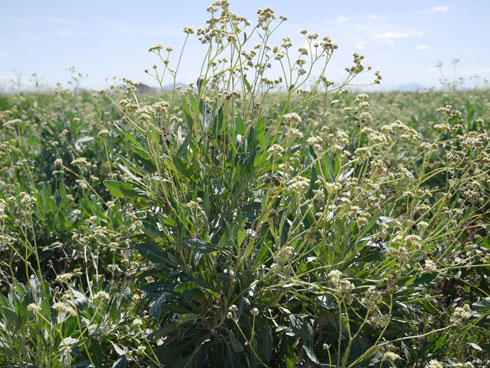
{"points": [[122, 362], [121, 190], [182, 151], [483, 306], [183, 319], [235, 344], [266, 340], [201, 245], [151, 252], [301, 326], [369, 225], [240, 128], [249, 88], [11, 316], [189, 285], [131, 138], [311, 354], [326, 301], [129, 166]]}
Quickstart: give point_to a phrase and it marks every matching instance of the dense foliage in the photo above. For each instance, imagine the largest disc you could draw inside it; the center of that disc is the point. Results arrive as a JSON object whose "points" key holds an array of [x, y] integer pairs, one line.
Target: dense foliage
{"points": [[234, 224]]}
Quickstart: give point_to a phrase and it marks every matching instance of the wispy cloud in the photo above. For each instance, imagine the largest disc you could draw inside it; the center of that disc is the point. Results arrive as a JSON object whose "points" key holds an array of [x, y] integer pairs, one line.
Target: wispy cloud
{"points": [[374, 17], [438, 9], [62, 21], [391, 35], [476, 71], [114, 27], [340, 19], [29, 36], [21, 21], [395, 35], [421, 47], [386, 42]]}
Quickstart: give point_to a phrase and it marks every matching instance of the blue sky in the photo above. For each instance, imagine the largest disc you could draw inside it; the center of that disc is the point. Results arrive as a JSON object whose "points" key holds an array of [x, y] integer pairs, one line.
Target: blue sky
{"points": [[106, 38]]}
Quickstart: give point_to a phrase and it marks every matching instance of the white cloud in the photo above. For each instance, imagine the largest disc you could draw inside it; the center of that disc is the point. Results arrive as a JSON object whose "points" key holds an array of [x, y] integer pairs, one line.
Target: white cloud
{"points": [[388, 38], [391, 35], [421, 47], [438, 9], [340, 19], [374, 17]]}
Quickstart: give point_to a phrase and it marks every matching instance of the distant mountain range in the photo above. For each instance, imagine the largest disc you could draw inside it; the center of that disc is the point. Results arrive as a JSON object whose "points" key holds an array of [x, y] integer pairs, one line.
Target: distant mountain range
{"points": [[411, 87], [145, 89]]}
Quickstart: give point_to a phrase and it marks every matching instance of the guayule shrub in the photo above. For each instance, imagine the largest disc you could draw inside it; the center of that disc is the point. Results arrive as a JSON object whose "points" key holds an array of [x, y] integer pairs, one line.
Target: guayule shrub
{"points": [[288, 227]]}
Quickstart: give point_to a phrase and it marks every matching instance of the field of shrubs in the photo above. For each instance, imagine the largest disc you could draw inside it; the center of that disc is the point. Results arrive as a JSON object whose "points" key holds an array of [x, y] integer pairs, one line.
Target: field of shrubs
{"points": [[245, 221]]}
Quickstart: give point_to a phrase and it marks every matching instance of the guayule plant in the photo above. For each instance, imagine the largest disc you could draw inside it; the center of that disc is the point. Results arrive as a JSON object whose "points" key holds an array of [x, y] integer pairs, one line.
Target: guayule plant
{"points": [[286, 226]]}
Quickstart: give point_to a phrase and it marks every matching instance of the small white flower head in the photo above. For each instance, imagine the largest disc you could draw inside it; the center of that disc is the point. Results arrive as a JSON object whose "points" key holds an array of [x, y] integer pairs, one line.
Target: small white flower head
{"points": [[299, 184], [413, 240], [461, 313], [380, 320], [284, 254], [26, 199], [345, 286], [60, 307], [58, 163], [295, 133], [335, 275], [362, 97], [82, 162], [233, 308], [103, 133], [315, 142], [255, 312], [71, 311], [229, 315], [366, 116], [64, 278], [275, 268], [390, 357], [275, 150], [332, 188], [156, 48], [372, 298], [435, 364], [137, 322], [101, 296], [33, 308], [430, 266], [292, 117]]}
